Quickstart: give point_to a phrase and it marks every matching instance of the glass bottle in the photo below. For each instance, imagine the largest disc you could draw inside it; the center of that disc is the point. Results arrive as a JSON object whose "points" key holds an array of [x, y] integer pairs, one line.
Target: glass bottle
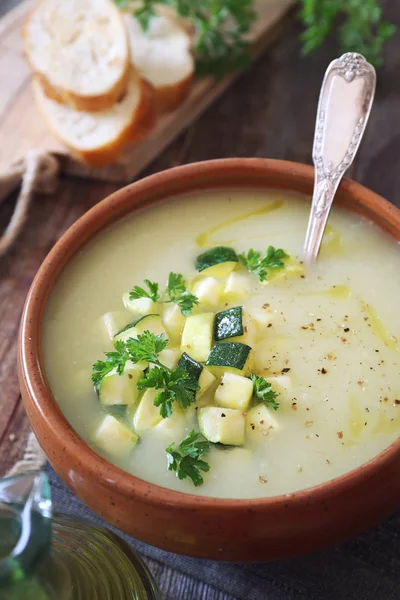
{"points": [[55, 558]]}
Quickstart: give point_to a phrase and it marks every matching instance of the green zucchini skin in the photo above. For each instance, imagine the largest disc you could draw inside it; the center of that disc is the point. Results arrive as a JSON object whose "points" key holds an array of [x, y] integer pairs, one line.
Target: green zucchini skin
{"points": [[191, 366], [228, 323], [228, 354], [129, 326], [215, 256]]}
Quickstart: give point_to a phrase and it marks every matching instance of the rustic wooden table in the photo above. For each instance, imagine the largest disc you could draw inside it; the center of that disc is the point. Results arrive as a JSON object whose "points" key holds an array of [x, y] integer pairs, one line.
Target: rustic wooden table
{"points": [[270, 112]]}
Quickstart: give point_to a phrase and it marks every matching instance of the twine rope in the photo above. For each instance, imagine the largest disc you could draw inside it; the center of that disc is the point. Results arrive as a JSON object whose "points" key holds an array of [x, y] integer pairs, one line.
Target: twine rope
{"points": [[38, 172]]}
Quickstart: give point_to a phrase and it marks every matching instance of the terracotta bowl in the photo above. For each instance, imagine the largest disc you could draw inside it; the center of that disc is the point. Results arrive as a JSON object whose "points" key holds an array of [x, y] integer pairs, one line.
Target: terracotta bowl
{"points": [[213, 528]]}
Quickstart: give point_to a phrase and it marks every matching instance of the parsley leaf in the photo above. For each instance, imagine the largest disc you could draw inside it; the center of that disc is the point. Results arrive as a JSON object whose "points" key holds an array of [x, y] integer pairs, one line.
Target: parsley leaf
{"points": [[255, 263], [362, 28], [147, 346], [220, 25], [175, 386], [114, 360], [263, 391], [186, 460], [139, 292], [178, 294]]}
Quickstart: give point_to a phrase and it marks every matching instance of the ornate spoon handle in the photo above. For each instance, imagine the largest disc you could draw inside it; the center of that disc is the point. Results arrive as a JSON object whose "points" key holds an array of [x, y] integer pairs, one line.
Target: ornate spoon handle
{"points": [[344, 107]]}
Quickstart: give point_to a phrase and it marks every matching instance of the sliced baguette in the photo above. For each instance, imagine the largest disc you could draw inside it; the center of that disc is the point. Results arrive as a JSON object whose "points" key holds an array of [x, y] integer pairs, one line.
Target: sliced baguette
{"points": [[99, 138], [79, 50], [162, 56]]}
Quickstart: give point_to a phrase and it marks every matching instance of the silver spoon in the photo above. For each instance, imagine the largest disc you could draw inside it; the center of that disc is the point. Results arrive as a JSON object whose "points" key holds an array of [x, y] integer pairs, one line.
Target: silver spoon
{"points": [[344, 107]]}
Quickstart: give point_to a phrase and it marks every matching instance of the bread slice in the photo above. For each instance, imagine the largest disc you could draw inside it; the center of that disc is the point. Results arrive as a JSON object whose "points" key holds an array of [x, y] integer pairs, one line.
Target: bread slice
{"points": [[162, 56], [79, 50], [99, 138]]}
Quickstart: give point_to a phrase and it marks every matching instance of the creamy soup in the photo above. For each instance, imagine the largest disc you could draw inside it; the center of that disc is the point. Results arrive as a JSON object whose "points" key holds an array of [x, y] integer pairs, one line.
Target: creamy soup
{"points": [[324, 344]]}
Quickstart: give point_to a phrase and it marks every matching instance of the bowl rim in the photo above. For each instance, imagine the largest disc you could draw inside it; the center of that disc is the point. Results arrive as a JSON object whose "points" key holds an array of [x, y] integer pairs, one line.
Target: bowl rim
{"points": [[32, 372]]}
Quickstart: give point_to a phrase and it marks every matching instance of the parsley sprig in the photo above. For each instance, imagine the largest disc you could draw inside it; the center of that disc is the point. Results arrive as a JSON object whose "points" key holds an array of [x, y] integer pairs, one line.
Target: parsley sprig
{"points": [[362, 28], [175, 386], [175, 292], [186, 460], [273, 259], [146, 347], [263, 391], [114, 360], [139, 292], [220, 27]]}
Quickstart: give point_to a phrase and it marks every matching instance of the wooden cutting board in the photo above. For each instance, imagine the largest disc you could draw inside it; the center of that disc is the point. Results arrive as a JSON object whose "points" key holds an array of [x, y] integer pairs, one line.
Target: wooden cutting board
{"points": [[22, 127]]}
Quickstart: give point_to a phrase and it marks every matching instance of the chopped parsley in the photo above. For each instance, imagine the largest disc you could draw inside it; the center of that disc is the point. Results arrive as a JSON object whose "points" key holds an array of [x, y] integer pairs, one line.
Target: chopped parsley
{"points": [[178, 294], [175, 292], [114, 360], [139, 292], [175, 386], [263, 392], [186, 460], [273, 259]]}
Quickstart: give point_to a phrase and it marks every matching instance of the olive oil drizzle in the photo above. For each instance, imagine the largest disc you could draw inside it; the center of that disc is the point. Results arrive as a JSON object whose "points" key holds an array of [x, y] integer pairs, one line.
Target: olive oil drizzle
{"points": [[202, 240], [378, 328]]}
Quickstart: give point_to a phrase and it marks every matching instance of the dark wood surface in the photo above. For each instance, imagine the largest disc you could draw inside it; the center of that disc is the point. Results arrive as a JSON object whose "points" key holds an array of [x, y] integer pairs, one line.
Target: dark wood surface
{"points": [[270, 112]]}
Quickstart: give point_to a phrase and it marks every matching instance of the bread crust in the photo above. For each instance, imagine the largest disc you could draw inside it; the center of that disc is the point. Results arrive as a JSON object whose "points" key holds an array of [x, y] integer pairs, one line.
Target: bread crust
{"points": [[62, 95], [141, 120], [169, 97]]}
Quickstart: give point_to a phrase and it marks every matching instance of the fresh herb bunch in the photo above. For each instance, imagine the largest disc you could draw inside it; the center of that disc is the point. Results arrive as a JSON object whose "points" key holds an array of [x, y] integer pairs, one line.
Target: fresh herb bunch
{"points": [[263, 392], [175, 385], [176, 292], [260, 265], [362, 29], [186, 460], [221, 26]]}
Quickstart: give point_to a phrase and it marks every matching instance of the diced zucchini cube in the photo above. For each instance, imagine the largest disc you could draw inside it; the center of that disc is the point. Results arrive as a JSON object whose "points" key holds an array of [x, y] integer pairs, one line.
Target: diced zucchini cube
{"points": [[220, 271], [120, 389], [197, 336], [228, 357], [112, 322], [169, 357], [234, 391], [114, 437], [228, 323], [173, 321], [260, 421], [217, 262], [222, 425], [191, 366], [237, 287], [152, 323], [175, 426], [141, 306], [208, 291], [147, 415], [126, 333], [206, 380]]}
